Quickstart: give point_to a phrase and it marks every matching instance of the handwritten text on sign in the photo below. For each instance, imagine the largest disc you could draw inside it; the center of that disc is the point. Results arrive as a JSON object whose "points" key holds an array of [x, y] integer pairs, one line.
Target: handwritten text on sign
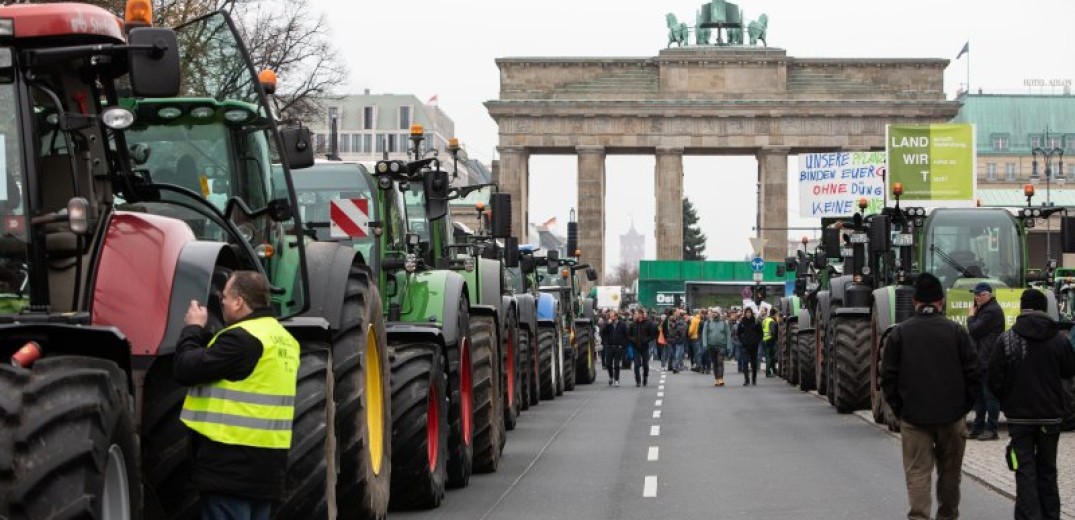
{"points": [[831, 184]]}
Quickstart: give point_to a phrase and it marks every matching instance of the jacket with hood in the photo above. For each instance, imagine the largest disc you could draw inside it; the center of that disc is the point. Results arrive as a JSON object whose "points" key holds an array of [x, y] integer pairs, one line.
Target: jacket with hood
{"points": [[640, 333], [716, 334], [985, 327], [677, 333], [749, 332], [1027, 370]]}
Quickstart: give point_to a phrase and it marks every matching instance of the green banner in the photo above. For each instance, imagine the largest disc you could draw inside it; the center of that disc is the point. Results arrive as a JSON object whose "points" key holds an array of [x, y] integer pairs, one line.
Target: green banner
{"points": [[959, 301], [935, 163]]}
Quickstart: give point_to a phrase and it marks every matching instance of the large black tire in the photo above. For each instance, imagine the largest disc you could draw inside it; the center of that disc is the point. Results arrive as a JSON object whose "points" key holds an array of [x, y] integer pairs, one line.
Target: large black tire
{"points": [[167, 457], [526, 369], [793, 354], [309, 491], [852, 360], [782, 350], [821, 364], [805, 346], [560, 364], [830, 362], [570, 363], [547, 362], [511, 377], [882, 412], [419, 426], [462, 400], [363, 412], [68, 448], [488, 408], [586, 368]]}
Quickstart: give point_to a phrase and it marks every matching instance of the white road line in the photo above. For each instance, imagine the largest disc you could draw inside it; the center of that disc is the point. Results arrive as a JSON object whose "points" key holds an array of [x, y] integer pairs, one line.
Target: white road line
{"points": [[649, 490], [660, 387], [658, 402], [656, 414], [654, 453], [655, 430], [660, 394]]}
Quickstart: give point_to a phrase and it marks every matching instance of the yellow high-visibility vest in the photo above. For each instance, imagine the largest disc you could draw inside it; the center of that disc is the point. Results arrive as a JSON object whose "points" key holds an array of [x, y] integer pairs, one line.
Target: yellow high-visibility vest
{"points": [[766, 333], [256, 411]]}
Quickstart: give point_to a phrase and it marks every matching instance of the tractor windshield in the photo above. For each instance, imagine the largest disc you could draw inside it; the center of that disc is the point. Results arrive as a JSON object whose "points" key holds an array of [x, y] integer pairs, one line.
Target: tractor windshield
{"points": [[321, 184], [984, 239], [13, 240]]}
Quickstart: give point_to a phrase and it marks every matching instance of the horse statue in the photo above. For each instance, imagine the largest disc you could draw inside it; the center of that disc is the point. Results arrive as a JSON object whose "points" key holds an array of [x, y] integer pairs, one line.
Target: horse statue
{"points": [[757, 30], [677, 32], [701, 33]]}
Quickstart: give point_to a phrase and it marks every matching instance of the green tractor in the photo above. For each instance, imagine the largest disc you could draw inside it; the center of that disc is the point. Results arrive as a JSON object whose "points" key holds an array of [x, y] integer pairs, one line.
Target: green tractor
{"points": [[577, 350]]}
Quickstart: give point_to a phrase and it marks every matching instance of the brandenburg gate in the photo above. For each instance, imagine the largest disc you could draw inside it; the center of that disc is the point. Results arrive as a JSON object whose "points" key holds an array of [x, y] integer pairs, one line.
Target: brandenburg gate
{"points": [[705, 100]]}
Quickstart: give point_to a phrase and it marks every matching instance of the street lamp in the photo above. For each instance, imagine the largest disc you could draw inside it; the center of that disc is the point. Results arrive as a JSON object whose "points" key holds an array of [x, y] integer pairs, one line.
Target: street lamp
{"points": [[1047, 154]]}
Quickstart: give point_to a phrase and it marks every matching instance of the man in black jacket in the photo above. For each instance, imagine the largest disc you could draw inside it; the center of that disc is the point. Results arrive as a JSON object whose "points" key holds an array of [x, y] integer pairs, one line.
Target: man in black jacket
{"points": [[985, 322], [749, 334], [617, 339], [1026, 373], [930, 375], [640, 333], [240, 450]]}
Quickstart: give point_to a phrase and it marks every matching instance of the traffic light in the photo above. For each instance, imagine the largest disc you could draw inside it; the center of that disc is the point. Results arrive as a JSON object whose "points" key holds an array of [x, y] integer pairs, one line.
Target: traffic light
{"points": [[758, 293]]}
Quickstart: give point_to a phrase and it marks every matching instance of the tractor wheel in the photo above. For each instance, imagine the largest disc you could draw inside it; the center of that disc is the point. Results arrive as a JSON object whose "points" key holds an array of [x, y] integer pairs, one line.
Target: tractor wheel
{"points": [[821, 364], [781, 350], [309, 492], [560, 365], [526, 368], [363, 415], [805, 346], [585, 370], [533, 359], [464, 360], [167, 456], [488, 407], [69, 446], [511, 385], [882, 412], [793, 354], [547, 362], [419, 426], [852, 364]]}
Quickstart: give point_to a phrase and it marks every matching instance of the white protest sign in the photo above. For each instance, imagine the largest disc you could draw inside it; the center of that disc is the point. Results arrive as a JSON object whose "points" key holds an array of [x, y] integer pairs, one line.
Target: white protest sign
{"points": [[831, 184]]}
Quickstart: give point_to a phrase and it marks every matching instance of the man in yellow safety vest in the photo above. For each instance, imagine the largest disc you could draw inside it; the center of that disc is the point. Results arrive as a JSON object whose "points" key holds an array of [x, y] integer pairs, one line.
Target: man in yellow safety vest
{"points": [[241, 400], [768, 341]]}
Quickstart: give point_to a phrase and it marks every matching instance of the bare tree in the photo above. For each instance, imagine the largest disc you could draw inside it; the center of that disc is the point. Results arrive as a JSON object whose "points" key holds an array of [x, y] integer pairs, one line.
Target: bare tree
{"points": [[623, 274]]}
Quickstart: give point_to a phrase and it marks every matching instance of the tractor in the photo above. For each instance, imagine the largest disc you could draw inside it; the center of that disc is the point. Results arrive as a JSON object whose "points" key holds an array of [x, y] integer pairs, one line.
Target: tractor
{"points": [[578, 350]]}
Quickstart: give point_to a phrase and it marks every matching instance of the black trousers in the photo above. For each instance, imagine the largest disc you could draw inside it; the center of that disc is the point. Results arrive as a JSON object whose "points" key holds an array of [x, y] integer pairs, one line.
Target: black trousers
{"points": [[641, 362], [615, 358], [751, 372], [1037, 496]]}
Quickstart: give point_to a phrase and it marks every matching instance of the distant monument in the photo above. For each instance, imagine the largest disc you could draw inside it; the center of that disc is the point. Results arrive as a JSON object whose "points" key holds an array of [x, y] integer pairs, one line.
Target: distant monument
{"points": [[722, 16]]}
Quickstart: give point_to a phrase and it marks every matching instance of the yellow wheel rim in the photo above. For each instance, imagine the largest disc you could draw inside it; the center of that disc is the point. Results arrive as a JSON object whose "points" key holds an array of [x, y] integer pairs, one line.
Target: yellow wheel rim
{"points": [[374, 400]]}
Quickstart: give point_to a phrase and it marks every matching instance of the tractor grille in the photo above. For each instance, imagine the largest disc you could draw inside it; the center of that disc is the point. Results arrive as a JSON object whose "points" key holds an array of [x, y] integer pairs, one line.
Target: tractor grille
{"points": [[904, 304]]}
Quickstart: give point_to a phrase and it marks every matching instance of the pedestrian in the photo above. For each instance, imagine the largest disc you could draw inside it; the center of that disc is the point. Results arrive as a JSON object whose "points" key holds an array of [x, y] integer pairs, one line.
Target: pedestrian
{"points": [[240, 451], [640, 334], [617, 338], [749, 341], [737, 347], [694, 330], [602, 333], [985, 322], [716, 335], [1026, 373], [769, 333], [703, 352], [677, 340], [929, 375]]}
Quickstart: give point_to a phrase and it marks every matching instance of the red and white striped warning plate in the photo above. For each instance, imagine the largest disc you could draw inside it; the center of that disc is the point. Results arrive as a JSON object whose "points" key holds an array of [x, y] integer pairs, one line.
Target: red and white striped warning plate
{"points": [[349, 218]]}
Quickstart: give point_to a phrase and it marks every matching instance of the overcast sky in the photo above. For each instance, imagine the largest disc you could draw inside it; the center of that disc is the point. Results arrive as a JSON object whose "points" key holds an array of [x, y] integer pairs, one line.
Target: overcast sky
{"points": [[433, 47]]}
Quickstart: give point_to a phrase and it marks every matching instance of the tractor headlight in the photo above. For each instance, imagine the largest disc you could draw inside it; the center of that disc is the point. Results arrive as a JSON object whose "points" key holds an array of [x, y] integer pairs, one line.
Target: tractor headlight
{"points": [[169, 112], [468, 264], [202, 112], [117, 118], [237, 115], [411, 263]]}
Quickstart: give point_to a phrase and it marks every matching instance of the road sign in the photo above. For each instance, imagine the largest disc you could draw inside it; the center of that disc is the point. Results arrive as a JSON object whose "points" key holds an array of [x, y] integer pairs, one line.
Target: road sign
{"points": [[349, 218], [759, 276], [758, 244], [757, 264]]}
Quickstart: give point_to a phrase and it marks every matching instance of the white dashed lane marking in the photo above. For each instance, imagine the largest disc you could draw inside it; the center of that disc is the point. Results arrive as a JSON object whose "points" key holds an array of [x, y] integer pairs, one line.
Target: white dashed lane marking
{"points": [[657, 402], [661, 387], [660, 394], [654, 453], [655, 430], [649, 489], [656, 414]]}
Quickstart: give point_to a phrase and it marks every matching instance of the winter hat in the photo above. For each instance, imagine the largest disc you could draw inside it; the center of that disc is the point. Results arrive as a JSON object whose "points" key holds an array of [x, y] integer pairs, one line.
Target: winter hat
{"points": [[1033, 300], [927, 289]]}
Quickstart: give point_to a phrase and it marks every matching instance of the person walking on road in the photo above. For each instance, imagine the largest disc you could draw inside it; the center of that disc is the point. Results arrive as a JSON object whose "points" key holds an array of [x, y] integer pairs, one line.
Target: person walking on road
{"points": [[749, 341], [930, 376], [737, 348], [985, 322], [768, 338], [694, 331], [716, 335], [640, 333], [677, 340], [240, 450], [617, 339], [1026, 373]]}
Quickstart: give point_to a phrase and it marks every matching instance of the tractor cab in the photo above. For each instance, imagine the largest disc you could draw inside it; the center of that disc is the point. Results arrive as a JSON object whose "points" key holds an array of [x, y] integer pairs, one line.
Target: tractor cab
{"points": [[963, 246]]}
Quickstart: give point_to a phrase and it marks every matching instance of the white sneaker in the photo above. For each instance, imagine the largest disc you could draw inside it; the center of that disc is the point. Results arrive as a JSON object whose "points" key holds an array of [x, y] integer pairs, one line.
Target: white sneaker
{"points": [[617, 383]]}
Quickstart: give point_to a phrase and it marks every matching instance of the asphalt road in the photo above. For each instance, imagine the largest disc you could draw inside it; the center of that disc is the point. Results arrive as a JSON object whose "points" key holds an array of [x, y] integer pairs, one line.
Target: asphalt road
{"points": [[762, 452]]}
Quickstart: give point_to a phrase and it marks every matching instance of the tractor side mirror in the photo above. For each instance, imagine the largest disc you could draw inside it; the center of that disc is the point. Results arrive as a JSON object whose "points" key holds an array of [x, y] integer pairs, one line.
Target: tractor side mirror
{"points": [[880, 234], [298, 148], [500, 204], [830, 237], [591, 274], [511, 252], [154, 62], [436, 190]]}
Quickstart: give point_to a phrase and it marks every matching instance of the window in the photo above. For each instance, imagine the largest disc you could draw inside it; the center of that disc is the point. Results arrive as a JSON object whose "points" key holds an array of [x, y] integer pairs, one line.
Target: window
{"points": [[356, 143], [1009, 172], [393, 143], [1000, 142], [405, 117], [319, 143], [1035, 141], [1069, 142], [367, 118], [1054, 141], [991, 172], [380, 143], [367, 143], [345, 143]]}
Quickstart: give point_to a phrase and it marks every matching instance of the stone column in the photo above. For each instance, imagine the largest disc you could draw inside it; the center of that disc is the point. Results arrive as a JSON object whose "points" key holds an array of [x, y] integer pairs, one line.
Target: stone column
{"points": [[514, 178], [591, 207], [668, 191], [773, 201]]}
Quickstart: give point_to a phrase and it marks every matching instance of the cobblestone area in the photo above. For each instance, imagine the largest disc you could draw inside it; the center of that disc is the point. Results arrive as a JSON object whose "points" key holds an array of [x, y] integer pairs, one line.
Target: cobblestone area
{"points": [[984, 461]]}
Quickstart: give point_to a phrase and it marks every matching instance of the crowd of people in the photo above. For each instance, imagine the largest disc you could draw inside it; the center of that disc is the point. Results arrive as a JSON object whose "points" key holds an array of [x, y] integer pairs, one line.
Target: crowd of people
{"points": [[700, 342]]}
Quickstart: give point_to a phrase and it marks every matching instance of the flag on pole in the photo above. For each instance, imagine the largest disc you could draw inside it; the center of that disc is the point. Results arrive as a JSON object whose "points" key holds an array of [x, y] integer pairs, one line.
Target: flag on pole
{"points": [[966, 49], [432, 100]]}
